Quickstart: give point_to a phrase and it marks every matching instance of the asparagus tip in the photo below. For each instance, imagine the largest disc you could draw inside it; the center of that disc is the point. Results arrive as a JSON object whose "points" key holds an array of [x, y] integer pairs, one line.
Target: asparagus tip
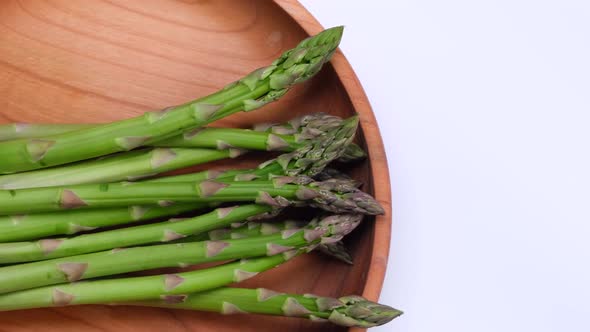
{"points": [[342, 196], [338, 251], [340, 225], [352, 153], [358, 311]]}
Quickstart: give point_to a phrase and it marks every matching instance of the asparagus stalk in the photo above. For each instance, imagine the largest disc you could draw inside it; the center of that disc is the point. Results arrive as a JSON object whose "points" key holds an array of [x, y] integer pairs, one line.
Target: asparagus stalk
{"points": [[245, 230], [264, 173], [285, 137], [294, 131], [25, 227], [345, 311], [170, 287], [14, 131], [253, 91], [210, 137], [144, 163], [21, 228], [309, 160], [130, 165], [173, 229], [332, 195], [335, 250], [105, 263]]}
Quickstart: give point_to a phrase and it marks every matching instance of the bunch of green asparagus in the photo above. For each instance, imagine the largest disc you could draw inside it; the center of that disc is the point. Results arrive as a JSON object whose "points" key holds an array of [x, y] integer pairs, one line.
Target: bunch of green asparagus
{"points": [[74, 200]]}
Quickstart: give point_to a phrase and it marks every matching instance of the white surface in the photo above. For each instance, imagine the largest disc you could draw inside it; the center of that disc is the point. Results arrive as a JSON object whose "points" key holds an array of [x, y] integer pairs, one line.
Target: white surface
{"points": [[484, 107]]}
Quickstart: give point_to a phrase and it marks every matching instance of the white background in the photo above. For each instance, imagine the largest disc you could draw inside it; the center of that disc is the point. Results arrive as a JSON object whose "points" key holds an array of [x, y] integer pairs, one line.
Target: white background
{"points": [[484, 107]]}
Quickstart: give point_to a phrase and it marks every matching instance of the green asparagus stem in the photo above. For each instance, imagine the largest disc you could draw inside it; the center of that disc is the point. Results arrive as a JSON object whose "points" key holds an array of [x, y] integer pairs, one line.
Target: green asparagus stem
{"points": [[246, 230], [173, 229], [253, 91], [37, 130], [144, 163], [34, 226], [130, 165], [223, 138], [209, 137], [171, 287], [337, 196], [26, 227], [308, 160], [105, 263], [345, 311], [14, 131], [285, 137], [265, 173], [335, 250]]}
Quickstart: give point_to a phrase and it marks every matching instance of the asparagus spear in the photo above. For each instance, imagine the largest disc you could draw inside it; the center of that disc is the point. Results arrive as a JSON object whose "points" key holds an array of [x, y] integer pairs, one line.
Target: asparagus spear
{"points": [[263, 173], [352, 153], [245, 230], [332, 195], [284, 137], [208, 136], [23, 227], [171, 287], [130, 165], [14, 131], [253, 91], [16, 252], [335, 250], [144, 163], [270, 137], [74, 268], [309, 126], [19, 228], [309, 160], [38, 225], [345, 311], [221, 138], [304, 126]]}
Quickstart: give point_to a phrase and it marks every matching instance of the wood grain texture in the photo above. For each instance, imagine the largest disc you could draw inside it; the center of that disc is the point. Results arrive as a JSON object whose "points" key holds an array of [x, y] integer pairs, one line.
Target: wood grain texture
{"points": [[104, 60]]}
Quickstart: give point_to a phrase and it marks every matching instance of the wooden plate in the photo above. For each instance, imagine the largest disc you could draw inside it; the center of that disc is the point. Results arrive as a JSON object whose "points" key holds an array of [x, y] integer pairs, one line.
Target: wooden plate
{"points": [[104, 60]]}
